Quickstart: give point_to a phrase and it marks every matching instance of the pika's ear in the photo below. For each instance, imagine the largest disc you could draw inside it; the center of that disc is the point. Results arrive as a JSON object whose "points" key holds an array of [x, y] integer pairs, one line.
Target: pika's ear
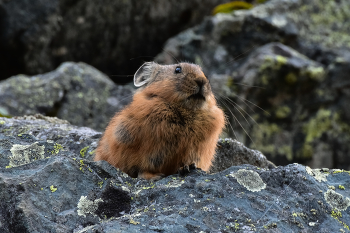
{"points": [[143, 74]]}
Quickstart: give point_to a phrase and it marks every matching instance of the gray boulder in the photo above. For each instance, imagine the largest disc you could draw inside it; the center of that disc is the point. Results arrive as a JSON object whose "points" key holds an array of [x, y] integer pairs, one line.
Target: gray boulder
{"points": [[281, 72], [75, 92], [36, 37], [49, 184]]}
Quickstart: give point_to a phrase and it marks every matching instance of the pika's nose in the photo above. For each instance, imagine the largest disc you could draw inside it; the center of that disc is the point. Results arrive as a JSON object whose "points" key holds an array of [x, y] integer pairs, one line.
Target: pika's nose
{"points": [[200, 83]]}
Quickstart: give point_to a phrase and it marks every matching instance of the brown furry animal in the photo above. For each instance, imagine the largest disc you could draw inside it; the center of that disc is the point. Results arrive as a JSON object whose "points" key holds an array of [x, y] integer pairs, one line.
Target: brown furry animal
{"points": [[173, 123]]}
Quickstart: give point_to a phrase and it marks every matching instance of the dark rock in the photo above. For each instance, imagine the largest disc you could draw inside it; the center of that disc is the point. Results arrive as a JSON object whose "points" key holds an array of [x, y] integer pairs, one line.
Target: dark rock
{"points": [[75, 92], [61, 190], [233, 153], [280, 70], [38, 36]]}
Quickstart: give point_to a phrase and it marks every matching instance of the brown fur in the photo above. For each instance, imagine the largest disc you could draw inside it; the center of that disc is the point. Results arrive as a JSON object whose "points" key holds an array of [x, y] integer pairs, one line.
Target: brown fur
{"points": [[165, 127]]}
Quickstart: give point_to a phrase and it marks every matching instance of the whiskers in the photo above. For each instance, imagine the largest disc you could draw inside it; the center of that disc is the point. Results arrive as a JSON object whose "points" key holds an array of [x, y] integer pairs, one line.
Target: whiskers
{"points": [[228, 103]]}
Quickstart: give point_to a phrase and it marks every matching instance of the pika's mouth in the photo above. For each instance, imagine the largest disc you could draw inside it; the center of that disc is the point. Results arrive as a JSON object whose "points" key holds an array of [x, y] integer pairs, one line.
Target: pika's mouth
{"points": [[197, 96]]}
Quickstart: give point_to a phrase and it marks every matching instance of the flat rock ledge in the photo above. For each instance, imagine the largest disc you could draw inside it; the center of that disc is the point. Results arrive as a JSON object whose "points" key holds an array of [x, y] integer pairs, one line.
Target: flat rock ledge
{"points": [[48, 183]]}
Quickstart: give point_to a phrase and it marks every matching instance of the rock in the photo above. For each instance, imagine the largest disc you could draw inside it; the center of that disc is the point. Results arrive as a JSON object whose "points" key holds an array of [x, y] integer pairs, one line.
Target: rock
{"points": [[75, 92], [38, 37], [53, 186], [233, 153], [280, 70]]}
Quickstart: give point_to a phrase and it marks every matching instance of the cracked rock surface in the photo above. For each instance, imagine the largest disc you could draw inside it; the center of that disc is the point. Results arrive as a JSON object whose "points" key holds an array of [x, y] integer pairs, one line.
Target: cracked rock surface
{"points": [[64, 191]]}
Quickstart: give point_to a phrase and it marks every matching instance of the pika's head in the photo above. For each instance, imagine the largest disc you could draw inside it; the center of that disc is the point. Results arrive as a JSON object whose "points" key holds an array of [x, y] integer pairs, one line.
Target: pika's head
{"points": [[182, 83]]}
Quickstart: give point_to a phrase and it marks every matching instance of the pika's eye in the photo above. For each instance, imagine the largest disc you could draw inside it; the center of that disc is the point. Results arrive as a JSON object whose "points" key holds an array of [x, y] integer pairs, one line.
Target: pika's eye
{"points": [[178, 70]]}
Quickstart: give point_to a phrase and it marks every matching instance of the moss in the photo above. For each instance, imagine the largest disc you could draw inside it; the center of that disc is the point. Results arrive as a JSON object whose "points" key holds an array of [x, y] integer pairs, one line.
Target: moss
{"points": [[231, 6], [283, 112], [83, 151]]}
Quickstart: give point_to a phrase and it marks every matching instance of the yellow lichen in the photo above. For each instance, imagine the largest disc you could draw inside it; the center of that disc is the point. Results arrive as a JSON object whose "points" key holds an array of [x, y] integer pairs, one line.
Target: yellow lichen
{"points": [[231, 6], [291, 78], [57, 148], [53, 188], [281, 60], [83, 151], [316, 73]]}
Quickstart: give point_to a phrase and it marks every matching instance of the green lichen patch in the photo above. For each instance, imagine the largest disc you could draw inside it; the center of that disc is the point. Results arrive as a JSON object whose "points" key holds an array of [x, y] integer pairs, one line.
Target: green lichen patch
{"points": [[325, 122], [318, 125], [263, 135], [329, 28], [249, 179], [317, 174], [315, 73], [336, 200], [86, 206], [83, 151], [283, 112], [23, 154], [57, 147]]}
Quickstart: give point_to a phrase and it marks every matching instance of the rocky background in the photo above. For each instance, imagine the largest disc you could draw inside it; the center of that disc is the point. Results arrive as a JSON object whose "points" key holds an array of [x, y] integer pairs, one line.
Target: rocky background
{"points": [[279, 68]]}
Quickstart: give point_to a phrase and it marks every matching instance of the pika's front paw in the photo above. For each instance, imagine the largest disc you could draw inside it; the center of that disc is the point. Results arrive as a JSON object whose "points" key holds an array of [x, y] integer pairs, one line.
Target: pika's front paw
{"points": [[187, 169]]}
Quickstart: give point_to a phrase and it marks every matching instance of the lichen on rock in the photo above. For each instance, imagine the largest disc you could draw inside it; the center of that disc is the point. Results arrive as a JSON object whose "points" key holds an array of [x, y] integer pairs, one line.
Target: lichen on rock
{"points": [[23, 154], [86, 206], [249, 179], [336, 200], [318, 174]]}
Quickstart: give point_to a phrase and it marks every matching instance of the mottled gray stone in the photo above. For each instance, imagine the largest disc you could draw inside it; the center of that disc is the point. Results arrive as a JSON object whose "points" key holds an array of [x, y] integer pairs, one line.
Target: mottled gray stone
{"points": [[65, 192], [281, 70], [75, 92]]}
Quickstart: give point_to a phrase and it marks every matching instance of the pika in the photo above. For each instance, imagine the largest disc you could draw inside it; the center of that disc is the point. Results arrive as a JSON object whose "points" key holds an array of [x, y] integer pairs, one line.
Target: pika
{"points": [[172, 124]]}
